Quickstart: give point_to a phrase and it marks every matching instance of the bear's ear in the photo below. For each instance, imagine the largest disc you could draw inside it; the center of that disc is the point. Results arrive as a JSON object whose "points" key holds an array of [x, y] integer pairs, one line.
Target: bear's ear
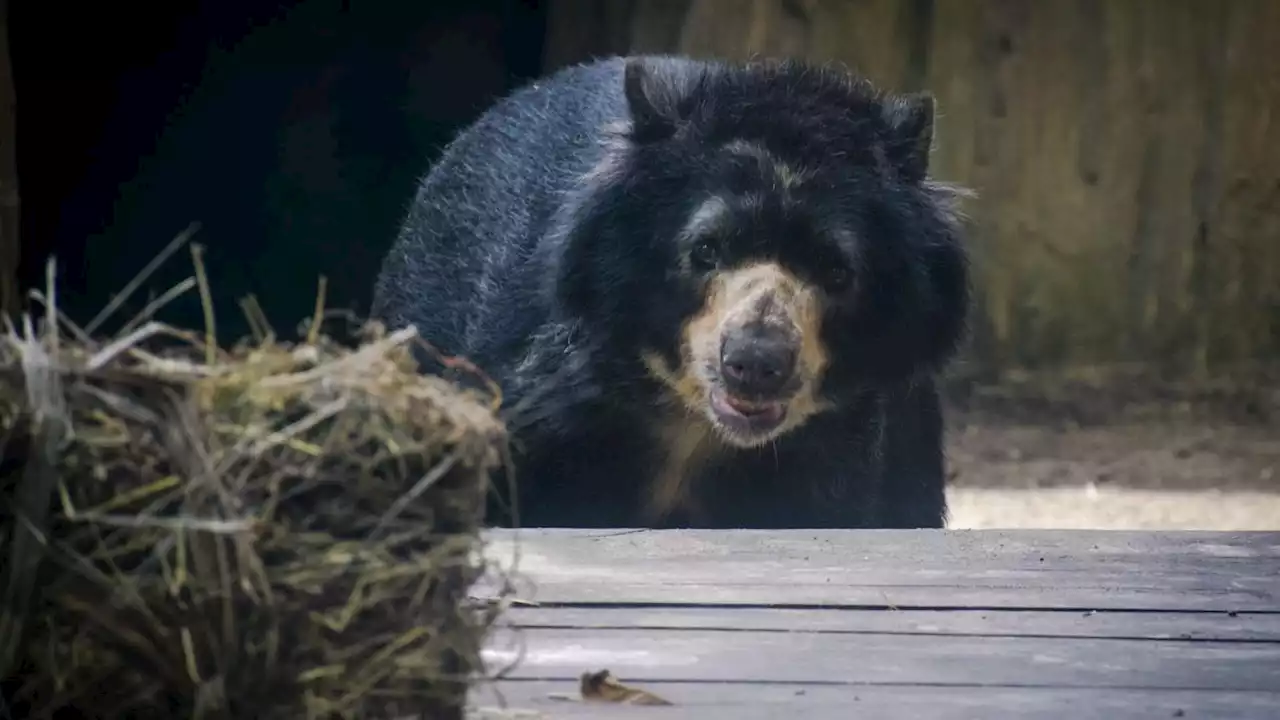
{"points": [[652, 99], [910, 119]]}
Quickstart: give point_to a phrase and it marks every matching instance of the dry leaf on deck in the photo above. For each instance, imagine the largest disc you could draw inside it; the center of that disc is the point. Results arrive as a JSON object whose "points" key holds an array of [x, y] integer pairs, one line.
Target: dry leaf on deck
{"points": [[604, 687]]}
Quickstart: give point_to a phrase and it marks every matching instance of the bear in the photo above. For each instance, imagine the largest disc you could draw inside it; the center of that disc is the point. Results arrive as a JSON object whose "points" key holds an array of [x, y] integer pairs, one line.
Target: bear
{"points": [[714, 294]]}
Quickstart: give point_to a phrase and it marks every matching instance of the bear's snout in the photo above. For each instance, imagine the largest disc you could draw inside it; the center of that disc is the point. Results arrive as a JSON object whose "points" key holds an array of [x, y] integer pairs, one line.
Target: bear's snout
{"points": [[758, 360]]}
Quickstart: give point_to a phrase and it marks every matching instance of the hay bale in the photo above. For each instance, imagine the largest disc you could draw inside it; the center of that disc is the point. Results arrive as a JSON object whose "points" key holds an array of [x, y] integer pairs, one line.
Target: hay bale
{"points": [[276, 530]]}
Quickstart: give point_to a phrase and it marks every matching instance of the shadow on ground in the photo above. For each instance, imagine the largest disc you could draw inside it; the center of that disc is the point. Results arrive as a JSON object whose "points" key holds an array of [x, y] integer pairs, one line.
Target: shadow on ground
{"points": [[1117, 450]]}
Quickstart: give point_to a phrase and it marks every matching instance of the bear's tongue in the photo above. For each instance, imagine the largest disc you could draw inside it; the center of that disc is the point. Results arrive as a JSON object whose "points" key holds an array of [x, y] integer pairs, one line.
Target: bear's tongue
{"points": [[767, 412]]}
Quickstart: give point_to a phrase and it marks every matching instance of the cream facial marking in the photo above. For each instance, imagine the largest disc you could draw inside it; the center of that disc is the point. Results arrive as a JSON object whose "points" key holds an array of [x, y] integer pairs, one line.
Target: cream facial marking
{"points": [[741, 300]]}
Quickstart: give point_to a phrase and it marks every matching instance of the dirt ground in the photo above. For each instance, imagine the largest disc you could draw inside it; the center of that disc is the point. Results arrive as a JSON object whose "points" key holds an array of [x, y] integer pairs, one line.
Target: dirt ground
{"points": [[1123, 453]]}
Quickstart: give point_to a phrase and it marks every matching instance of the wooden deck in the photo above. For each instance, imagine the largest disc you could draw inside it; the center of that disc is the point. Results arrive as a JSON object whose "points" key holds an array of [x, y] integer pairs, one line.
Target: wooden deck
{"points": [[833, 625]]}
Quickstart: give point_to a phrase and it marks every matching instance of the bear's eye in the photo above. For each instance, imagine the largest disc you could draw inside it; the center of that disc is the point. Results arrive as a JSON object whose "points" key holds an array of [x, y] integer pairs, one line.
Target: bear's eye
{"points": [[839, 278], [704, 255]]}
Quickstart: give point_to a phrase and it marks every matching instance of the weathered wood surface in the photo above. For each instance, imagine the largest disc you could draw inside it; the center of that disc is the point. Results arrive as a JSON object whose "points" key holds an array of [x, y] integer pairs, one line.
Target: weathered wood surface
{"points": [[1124, 152], [736, 701], [983, 623], [922, 569], [889, 624]]}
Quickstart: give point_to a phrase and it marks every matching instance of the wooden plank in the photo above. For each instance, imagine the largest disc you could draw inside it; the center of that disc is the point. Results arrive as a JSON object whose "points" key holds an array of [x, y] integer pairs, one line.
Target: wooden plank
{"points": [[1031, 569], [1241, 627], [1241, 243], [835, 659], [578, 30], [717, 701], [1116, 149]]}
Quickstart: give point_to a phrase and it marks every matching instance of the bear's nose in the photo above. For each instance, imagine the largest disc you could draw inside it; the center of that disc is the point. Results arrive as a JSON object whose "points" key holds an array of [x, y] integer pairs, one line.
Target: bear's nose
{"points": [[757, 361]]}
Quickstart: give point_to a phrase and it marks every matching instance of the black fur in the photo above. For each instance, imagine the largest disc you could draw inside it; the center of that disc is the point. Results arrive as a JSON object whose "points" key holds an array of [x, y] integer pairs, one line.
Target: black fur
{"points": [[543, 247]]}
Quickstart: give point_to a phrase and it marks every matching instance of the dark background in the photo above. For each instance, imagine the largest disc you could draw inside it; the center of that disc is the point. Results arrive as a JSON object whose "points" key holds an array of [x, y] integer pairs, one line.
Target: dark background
{"points": [[293, 131]]}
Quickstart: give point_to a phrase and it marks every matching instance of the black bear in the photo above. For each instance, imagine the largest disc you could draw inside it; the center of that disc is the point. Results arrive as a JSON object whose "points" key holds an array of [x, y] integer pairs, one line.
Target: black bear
{"points": [[714, 294]]}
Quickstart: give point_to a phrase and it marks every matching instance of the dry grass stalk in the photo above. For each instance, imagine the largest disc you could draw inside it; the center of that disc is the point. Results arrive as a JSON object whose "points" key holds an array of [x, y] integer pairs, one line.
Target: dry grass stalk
{"points": [[275, 530]]}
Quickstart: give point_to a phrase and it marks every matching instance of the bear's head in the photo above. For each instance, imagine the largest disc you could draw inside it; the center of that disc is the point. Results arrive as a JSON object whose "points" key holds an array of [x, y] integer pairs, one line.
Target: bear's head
{"points": [[763, 241]]}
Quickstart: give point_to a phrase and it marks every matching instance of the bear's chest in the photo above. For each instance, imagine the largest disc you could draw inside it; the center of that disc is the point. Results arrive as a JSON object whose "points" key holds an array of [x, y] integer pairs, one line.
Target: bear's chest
{"points": [[694, 479]]}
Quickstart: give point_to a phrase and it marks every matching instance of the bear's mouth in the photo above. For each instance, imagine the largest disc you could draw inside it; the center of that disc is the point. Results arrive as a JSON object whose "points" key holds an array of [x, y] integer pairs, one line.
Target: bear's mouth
{"points": [[751, 421]]}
